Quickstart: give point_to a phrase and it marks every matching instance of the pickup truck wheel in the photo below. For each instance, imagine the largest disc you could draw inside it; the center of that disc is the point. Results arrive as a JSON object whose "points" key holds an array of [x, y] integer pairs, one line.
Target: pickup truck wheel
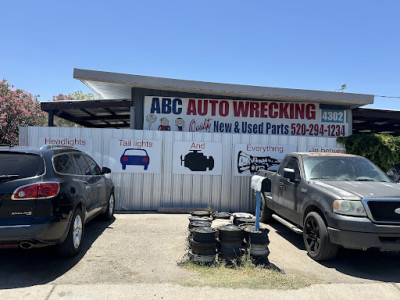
{"points": [[265, 211], [316, 238]]}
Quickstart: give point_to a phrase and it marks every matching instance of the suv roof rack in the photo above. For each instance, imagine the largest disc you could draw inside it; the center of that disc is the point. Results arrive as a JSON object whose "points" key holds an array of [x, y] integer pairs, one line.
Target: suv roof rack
{"points": [[47, 147], [6, 145]]}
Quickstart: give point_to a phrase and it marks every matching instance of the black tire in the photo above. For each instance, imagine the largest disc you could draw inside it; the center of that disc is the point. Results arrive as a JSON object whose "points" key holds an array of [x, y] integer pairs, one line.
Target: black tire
{"points": [[109, 213], [265, 211], [316, 238], [73, 242]]}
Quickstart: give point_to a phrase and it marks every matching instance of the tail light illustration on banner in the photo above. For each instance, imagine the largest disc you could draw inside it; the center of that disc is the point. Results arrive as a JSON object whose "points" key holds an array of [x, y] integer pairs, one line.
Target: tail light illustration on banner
{"points": [[135, 157], [247, 162], [197, 161]]}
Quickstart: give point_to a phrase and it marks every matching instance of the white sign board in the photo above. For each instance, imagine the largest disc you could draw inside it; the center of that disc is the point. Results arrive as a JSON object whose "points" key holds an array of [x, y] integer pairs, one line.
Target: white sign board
{"points": [[135, 156], [83, 144], [243, 116], [203, 158], [249, 158]]}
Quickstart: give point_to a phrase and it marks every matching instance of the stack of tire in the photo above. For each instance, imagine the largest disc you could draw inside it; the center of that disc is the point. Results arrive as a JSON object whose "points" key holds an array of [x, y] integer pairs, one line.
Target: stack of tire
{"points": [[203, 244], [243, 218], [230, 239], [195, 221], [202, 238], [221, 215], [258, 244]]}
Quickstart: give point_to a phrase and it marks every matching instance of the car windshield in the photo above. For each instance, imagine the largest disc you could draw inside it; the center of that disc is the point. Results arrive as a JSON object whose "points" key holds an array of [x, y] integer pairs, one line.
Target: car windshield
{"points": [[140, 152], [20, 165], [342, 168]]}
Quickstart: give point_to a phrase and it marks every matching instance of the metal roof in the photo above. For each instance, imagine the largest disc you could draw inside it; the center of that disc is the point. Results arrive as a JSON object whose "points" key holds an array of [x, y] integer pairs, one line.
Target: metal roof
{"points": [[92, 113], [109, 85]]}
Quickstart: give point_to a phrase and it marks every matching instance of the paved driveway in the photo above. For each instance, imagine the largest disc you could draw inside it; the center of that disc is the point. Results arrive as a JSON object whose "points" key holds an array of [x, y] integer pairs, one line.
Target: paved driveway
{"points": [[143, 249]]}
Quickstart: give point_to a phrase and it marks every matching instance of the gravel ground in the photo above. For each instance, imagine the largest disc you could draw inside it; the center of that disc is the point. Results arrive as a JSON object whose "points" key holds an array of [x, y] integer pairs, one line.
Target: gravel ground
{"points": [[145, 248]]}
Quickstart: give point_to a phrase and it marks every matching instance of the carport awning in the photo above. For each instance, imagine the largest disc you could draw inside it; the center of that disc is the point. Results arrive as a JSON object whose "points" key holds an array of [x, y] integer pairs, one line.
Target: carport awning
{"points": [[92, 113], [368, 120]]}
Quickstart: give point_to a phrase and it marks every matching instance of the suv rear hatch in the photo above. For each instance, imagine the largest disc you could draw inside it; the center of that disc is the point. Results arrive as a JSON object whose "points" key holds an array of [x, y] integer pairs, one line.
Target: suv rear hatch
{"points": [[18, 169]]}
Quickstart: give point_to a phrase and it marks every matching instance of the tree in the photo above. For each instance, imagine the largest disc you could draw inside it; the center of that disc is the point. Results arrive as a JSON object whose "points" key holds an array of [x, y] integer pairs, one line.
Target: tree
{"points": [[17, 108], [382, 149], [76, 95]]}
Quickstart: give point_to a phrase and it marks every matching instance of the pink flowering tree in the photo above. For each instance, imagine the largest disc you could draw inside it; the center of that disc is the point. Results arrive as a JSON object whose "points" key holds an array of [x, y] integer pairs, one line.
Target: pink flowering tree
{"points": [[17, 108]]}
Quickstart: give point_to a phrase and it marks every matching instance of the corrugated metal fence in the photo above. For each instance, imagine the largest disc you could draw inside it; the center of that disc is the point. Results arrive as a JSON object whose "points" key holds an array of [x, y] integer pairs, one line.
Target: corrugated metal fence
{"points": [[138, 191]]}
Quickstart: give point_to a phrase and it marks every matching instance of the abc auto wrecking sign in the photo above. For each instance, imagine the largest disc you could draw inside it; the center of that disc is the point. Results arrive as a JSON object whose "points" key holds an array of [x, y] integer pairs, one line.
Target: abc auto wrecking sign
{"points": [[243, 116]]}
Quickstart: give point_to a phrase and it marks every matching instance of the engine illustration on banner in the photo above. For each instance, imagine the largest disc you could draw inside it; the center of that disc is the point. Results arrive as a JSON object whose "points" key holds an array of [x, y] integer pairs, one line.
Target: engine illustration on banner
{"points": [[197, 161], [243, 117], [202, 158], [247, 162], [135, 157], [249, 158]]}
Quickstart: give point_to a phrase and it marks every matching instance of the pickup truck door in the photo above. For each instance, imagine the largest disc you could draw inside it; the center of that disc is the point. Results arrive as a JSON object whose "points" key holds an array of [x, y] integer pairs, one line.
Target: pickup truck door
{"points": [[289, 193]]}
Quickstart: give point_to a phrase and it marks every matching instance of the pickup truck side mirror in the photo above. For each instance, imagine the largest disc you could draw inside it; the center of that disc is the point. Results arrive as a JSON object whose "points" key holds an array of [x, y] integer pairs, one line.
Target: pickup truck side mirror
{"points": [[290, 174]]}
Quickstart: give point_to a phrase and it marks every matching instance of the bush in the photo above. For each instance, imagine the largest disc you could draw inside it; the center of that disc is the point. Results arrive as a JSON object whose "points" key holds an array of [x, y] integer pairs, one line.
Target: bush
{"points": [[383, 150]]}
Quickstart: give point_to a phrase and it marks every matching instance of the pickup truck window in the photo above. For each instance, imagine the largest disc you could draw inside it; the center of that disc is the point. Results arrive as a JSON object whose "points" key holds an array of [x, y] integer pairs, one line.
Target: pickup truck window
{"points": [[342, 168]]}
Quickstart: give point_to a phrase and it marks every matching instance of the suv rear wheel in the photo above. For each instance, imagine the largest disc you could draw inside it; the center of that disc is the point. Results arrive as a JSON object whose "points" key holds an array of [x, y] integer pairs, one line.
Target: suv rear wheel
{"points": [[109, 213], [73, 242], [316, 238]]}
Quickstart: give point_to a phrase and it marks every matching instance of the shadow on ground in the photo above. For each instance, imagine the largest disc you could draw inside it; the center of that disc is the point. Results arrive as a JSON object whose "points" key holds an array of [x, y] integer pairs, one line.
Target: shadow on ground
{"points": [[371, 264], [24, 268]]}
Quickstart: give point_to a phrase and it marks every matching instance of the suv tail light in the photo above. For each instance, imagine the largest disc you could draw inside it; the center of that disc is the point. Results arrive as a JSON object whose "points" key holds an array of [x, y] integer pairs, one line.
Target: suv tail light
{"points": [[41, 190]]}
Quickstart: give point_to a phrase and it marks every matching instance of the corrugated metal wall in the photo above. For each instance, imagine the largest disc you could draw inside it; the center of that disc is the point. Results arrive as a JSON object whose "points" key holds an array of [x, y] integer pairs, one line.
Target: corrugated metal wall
{"points": [[151, 191]]}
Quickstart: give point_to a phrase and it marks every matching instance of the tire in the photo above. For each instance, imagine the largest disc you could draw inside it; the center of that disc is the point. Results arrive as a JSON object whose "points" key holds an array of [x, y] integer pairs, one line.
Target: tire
{"points": [[316, 238], [73, 242], [109, 213], [265, 211]]}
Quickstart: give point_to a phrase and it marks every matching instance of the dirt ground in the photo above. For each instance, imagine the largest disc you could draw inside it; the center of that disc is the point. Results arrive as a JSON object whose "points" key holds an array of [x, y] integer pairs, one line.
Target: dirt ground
{"points": [[145, 248]]}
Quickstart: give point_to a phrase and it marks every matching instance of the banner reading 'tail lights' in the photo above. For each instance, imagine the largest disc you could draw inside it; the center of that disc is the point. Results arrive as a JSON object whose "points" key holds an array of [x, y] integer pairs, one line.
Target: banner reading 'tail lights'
{"points": [[243, 116]]}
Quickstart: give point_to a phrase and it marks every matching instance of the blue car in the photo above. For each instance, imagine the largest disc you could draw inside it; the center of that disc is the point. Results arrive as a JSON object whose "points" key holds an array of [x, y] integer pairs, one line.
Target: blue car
{"points": [[135, 157]]}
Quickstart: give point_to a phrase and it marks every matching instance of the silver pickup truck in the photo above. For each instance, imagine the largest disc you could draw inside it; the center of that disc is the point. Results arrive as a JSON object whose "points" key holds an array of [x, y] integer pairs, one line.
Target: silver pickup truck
{"points": [[333, 200]]}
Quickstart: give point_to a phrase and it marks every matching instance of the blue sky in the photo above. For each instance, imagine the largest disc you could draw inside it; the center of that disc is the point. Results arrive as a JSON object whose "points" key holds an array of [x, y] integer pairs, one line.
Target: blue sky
{"points": [[317, 45]]}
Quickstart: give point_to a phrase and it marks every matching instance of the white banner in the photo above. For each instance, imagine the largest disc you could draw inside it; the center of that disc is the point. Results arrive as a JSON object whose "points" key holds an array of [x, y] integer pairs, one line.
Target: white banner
{"points": [[135, 156], [249, 158], [327, 149], [243, 116], [203, 158], [83, 144]]}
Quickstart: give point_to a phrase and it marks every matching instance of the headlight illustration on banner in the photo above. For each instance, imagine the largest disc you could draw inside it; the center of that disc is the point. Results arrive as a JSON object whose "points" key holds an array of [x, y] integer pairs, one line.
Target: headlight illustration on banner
{"points": [[247, 162], [136, 157], [197, 161]]}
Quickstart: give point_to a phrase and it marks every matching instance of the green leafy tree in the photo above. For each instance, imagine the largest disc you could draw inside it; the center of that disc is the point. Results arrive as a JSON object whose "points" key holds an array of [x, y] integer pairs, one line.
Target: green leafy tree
{"points": [[382, 149], [76, 95], [17, 108]]}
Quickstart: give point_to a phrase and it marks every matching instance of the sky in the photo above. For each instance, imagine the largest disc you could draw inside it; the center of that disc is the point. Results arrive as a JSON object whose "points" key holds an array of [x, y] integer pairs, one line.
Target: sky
{"points": [[315, 45]]}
